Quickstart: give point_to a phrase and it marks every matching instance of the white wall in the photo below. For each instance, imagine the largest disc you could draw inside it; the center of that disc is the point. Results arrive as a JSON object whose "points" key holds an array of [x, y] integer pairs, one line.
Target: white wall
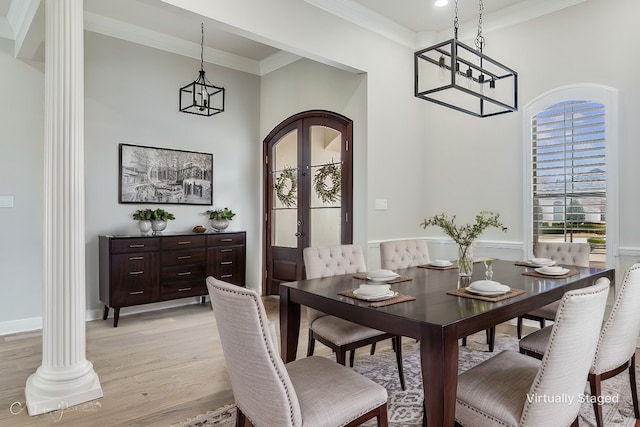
{"points": [[21, 176]]}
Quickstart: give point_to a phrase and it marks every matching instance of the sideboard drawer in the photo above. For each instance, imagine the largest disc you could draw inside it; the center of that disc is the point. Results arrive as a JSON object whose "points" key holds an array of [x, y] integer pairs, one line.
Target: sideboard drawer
{"points": [[184, 257], [183, 242], [226, 239], [187, 272], [134, 245], [183, 289]]}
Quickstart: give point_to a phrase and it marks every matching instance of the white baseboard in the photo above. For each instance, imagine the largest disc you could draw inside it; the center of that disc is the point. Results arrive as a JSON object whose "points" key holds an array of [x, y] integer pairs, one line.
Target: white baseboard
{"points": [[20, 325], [35, 323]]}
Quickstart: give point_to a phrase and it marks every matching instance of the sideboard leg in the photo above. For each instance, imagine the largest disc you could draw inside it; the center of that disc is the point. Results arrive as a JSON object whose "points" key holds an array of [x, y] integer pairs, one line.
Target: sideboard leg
{"points": [[105, 314], [116, 316]]}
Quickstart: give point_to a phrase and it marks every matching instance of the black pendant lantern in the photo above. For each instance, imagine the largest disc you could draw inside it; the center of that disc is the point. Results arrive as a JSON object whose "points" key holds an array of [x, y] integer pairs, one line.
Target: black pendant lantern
{"points": [[457, 76], [201, 97]]}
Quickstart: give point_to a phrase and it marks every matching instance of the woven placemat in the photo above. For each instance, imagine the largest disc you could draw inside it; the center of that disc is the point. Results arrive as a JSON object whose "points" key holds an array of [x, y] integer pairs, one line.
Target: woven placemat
{"points": [[398, 298], [523, 264], [363, 276], [465, 293], [437, 267], [549, 276]]}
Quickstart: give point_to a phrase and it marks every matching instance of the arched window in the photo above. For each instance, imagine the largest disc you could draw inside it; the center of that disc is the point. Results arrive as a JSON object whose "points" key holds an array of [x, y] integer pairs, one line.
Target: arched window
{"points": [[570, 182]]}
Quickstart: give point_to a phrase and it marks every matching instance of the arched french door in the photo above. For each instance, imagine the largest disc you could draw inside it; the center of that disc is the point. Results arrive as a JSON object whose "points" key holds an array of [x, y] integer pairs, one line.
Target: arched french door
{"points": [[308, 185]]}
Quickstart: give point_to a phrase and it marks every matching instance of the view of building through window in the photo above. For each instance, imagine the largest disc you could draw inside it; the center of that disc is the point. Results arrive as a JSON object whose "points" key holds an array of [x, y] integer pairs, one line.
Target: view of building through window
{"points": [[569, 175]]}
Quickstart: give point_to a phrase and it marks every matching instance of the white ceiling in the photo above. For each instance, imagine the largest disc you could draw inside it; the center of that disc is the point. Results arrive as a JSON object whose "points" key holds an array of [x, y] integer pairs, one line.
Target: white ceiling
{"points": [[160, 25]]}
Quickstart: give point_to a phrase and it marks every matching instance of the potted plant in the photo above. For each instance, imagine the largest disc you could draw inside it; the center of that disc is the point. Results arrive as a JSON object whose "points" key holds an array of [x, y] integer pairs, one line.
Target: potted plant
{"points": [[154, 219], [465, 235], [219, 218]]}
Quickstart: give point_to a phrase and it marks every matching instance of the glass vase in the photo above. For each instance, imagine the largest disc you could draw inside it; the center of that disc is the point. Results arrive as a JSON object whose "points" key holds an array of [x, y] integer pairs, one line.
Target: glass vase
{"points": [[465, 260]]}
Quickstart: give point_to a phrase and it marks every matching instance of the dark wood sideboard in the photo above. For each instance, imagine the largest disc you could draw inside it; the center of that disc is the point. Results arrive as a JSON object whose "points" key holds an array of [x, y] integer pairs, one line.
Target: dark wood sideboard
{"points": [[144, 269]]}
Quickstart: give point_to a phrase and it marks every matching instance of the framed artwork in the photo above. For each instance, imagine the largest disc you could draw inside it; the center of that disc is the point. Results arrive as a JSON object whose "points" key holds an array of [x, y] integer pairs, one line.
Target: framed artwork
{"points": [[163, 176]]}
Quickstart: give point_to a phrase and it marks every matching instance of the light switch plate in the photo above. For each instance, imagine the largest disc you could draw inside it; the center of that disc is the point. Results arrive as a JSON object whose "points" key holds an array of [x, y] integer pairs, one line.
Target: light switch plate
{"points": [[381, 204], [6, 201]]}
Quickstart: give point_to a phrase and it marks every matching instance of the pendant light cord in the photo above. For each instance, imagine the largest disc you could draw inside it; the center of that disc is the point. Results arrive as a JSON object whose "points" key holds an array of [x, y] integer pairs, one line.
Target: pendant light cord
{"points": [[455, 21], [202, 46], [480, 37]]}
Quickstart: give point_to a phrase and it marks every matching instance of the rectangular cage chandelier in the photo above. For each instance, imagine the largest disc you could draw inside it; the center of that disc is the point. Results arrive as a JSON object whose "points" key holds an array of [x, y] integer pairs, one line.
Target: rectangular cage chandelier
{"points": [[200, 96], [455, 75]]}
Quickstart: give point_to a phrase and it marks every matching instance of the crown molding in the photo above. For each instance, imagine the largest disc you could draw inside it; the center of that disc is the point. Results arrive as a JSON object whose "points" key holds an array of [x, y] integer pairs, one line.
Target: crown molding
{"points": [[122, 30], [6, 31], [509, 16], [368, 19], [27, 26], [277, 61], [372, 21]]}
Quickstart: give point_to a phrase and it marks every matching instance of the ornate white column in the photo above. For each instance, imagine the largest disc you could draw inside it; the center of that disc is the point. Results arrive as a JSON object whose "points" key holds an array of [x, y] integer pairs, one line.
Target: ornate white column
{"points": [[65, 378]]}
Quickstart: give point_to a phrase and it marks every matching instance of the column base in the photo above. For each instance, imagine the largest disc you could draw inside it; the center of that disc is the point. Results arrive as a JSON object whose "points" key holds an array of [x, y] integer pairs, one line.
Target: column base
{"points": [[48, 390]]}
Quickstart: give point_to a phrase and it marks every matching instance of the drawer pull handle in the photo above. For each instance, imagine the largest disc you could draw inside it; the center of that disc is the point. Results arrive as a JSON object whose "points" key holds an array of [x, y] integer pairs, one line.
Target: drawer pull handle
{"points": [[226, 263], [226, 276], [185, 257], [135, 258], [184, 273], [226, 240], [226, 250], [187, 242], [136, 246], [132, 273], [136, 293], [184, 289]]}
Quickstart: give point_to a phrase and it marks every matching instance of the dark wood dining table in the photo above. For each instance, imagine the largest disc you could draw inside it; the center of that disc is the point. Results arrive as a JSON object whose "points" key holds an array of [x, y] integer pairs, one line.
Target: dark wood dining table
{"points": [[435, 318]]}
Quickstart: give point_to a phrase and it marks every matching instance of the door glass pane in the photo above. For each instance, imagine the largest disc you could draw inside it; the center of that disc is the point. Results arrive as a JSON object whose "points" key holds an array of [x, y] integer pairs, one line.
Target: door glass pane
{"points": [[284, 192], [326, 174], [325, 226]]}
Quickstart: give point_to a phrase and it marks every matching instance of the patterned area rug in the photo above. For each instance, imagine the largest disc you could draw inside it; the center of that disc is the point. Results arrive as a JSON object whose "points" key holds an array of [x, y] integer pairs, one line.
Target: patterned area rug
{"points": [[405, 407]]}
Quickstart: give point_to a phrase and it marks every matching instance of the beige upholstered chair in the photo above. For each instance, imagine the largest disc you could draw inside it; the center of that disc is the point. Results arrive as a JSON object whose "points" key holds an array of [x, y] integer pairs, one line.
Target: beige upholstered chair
{"points": [[562, 253], [403, 253], [396, 254], [312, 392], [616, 349], [512, 389], [338, 334]]}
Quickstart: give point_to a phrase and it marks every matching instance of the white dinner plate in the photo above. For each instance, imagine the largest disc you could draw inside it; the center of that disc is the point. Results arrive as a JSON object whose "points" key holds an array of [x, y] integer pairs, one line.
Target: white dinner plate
{"points": [[373, 289], [542, 270], [382, 297], [485, 293], [489, 286], [541, 262], [441, 263], [382, 279]]}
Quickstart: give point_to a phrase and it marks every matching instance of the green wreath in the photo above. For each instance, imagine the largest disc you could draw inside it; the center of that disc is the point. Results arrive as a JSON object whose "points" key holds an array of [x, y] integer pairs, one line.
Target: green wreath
{"points": [[328, 193], [287, 198]]}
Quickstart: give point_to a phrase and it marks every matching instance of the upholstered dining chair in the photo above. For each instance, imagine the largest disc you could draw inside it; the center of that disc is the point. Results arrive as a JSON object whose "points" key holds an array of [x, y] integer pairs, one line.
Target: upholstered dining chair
{"points": [[512, 389], [313, 391], [338, 334], [616, 349], [562, 253], [396, 254]]}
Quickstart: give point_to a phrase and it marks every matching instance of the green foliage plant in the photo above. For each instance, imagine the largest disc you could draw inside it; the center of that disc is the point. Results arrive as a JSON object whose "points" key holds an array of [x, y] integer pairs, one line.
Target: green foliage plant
{"points": [[153, 215], [225, 213]]}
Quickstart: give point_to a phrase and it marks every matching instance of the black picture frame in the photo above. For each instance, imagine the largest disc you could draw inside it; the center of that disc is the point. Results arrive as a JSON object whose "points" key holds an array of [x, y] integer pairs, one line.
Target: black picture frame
{"points": [[153, 175]]}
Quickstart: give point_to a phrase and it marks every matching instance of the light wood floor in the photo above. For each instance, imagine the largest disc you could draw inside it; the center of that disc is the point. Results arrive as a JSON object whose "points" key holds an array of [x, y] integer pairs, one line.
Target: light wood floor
{"points": [[155, 368]]}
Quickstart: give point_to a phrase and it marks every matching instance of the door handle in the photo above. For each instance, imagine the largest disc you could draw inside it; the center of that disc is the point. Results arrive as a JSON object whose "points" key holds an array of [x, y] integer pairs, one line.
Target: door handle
{"points": [[298, 234]]}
